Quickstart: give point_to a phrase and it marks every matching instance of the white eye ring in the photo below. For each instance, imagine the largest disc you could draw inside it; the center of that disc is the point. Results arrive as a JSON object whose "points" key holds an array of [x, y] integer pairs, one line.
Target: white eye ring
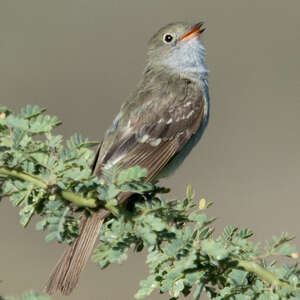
{"points": [[168, 38]]}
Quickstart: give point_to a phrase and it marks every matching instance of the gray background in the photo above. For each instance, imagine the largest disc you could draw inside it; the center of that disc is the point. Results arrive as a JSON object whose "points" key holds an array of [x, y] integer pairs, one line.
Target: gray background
{"points": [[80, 59]]}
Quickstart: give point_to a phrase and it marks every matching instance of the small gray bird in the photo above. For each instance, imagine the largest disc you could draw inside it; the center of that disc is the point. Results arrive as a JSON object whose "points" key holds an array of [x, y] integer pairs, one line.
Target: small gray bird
{"points": [[156, 129]]}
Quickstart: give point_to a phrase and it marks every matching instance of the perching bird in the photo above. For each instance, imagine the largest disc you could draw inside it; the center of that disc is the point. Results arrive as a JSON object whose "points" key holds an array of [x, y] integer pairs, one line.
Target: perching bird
{"points": [[156, 129]]}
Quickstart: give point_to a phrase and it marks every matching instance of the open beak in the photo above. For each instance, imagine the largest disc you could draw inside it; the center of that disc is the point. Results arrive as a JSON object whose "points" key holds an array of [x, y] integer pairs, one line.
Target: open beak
{"points": [[196, 30]]}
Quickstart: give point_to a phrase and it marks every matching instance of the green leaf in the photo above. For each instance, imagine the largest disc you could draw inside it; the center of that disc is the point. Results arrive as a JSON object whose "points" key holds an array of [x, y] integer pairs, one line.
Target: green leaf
{"points": [[244, 233], [28, 296], [53, 236], [278, 241], [229, 231], [43, 124], [156, 223], [18, 136], [287, 250], [77, 141], [268, 296], [177, 287], [131, 174], [30, 111], [214, 249], [148, 235], [112, 192], [242, 297], [41, 225], [15, 122], [147, 287], [26, 214], [192, 277], [200, 219], [54, 141], [238, 277]]}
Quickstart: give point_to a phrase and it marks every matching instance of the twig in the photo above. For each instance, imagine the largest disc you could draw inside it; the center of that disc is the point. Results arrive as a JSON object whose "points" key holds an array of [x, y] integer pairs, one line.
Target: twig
{"points": [[67, 195], [261, 272]]}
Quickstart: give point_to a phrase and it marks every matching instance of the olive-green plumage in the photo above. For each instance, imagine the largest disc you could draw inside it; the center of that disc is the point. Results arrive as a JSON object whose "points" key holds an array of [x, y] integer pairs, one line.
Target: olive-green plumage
{"points": [[156, 129]]}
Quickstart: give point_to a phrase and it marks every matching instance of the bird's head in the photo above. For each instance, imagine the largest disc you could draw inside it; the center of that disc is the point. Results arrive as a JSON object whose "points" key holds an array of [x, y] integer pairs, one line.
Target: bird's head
{"points": [[178, 46]]}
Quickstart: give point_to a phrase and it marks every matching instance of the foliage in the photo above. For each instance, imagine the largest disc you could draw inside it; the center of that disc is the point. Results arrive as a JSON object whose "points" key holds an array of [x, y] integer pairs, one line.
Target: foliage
{"points": [[182, 253], [27, 296], [28, 147], [54, 181]]}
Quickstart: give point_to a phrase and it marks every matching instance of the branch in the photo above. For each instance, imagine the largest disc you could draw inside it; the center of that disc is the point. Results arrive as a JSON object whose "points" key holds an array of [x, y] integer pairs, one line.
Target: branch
{"points": [[75, 198], [66, 195], [23, 176], [264, 274], [78, 200]]}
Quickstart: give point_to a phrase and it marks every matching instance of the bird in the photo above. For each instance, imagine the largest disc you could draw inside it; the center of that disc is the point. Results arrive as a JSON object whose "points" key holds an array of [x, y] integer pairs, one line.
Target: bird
{"points": [[157, 127]]}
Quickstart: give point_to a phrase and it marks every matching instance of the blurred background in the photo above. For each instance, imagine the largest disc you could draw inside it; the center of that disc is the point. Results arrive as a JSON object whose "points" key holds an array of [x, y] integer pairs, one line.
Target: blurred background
{"points": [[82, 58]]}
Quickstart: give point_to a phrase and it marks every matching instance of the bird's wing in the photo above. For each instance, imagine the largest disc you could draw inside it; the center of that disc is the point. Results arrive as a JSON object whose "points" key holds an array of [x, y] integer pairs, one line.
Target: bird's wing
{"points": [[151, 133]]}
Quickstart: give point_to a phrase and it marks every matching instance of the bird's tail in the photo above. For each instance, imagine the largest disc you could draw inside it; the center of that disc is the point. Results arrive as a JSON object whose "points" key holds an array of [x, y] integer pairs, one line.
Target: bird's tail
{"points": [[65, 275]]}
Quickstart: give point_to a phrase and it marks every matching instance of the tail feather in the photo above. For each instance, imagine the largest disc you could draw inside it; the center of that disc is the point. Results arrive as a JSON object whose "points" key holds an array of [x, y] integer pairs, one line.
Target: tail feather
{"points": [[65, 275]]}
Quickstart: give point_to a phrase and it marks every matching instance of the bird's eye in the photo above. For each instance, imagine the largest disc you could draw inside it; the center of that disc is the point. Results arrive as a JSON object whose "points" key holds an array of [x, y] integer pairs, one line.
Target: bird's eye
{"points": [[168, 38]]}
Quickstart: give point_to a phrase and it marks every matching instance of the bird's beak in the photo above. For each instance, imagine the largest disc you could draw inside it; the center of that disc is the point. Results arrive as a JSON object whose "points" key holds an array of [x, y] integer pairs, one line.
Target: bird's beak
{"points": [[196, 30]]}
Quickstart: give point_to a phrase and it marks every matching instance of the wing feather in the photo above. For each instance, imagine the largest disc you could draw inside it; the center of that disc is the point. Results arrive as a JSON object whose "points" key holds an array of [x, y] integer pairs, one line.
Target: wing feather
{"points": [[154, 126]]}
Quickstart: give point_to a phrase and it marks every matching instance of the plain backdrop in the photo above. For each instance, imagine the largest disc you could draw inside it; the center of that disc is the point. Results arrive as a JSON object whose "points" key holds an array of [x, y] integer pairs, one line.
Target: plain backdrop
{"points": [[81, 59]]}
